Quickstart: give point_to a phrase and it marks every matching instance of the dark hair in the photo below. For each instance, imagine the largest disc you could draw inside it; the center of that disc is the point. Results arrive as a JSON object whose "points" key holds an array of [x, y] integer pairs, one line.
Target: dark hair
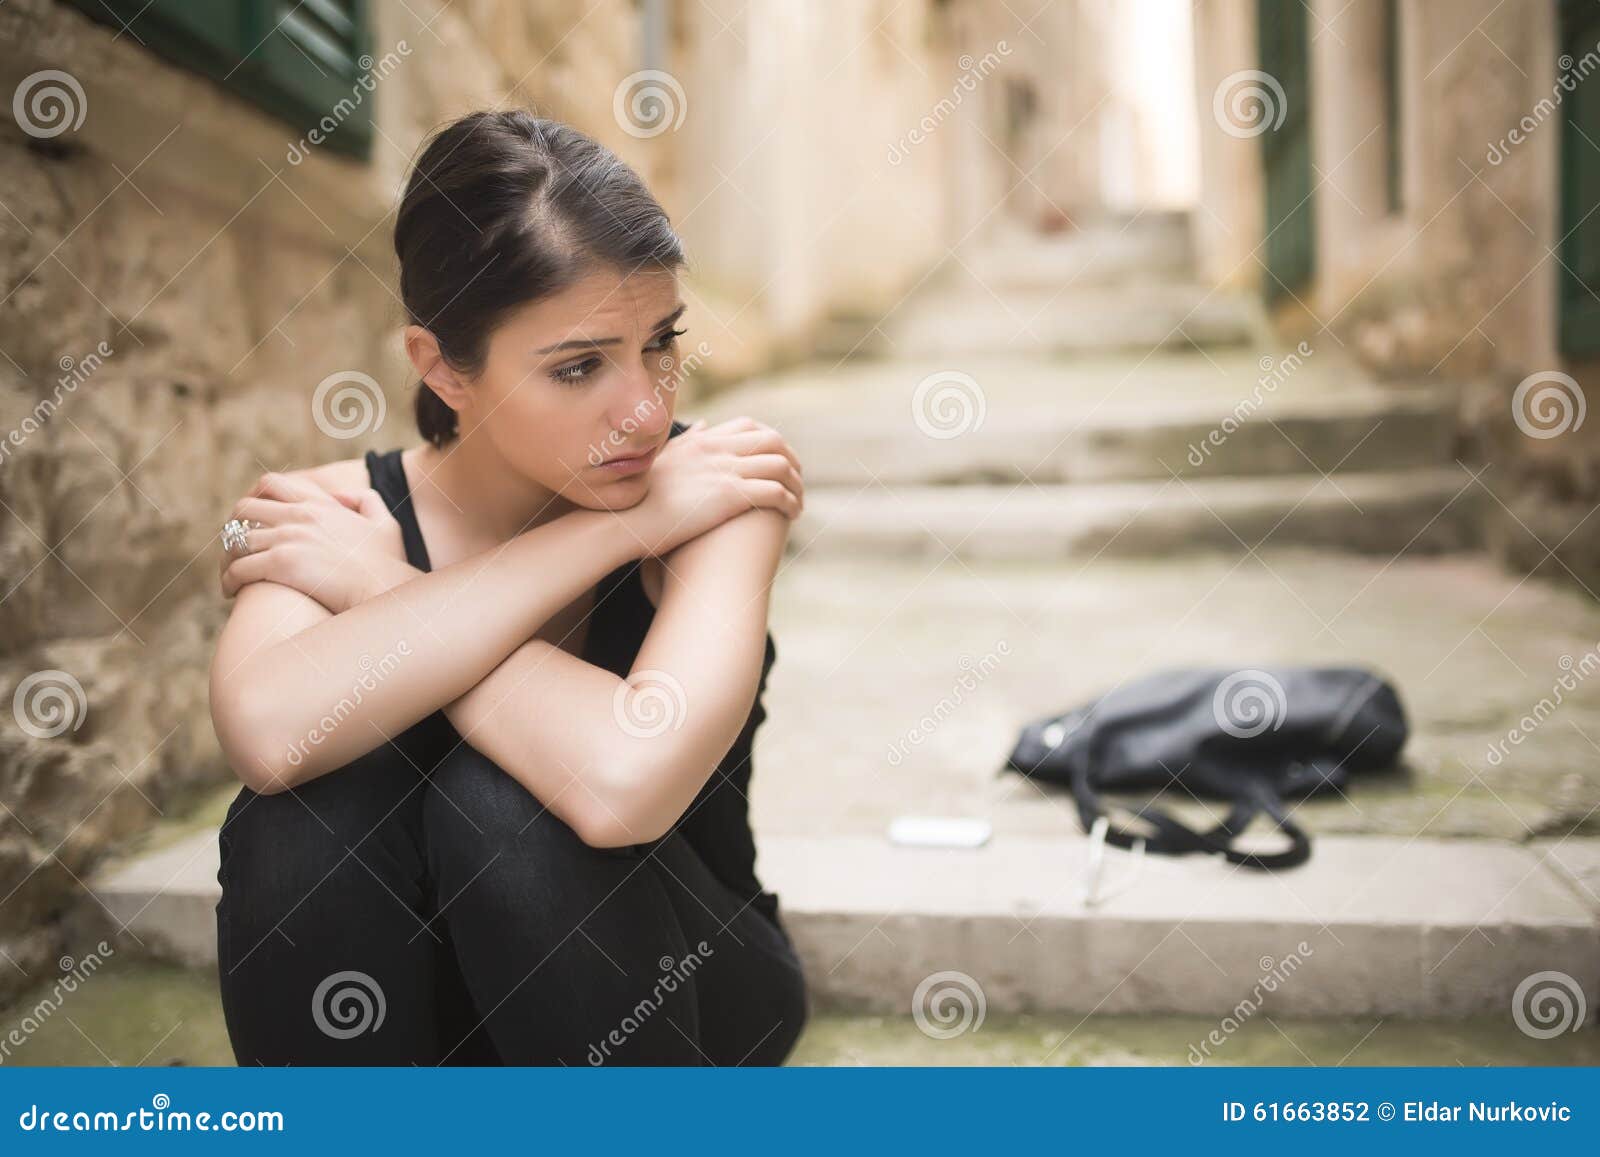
{"points": [[503, 208]]}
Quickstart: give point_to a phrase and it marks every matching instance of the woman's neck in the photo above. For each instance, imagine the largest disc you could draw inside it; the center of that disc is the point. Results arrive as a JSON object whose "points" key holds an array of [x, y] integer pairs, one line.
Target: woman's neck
{"points": [[478, 491]]}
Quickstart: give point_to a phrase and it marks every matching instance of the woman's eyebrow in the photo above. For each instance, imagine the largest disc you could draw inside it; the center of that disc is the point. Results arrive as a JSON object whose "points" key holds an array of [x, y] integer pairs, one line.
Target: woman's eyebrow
{"points": [[592, 342]]}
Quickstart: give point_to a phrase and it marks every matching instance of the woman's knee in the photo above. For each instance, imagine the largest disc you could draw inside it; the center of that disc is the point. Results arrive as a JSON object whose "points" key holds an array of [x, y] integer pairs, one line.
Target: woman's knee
{"points": [[288, 842], [473, 802]]}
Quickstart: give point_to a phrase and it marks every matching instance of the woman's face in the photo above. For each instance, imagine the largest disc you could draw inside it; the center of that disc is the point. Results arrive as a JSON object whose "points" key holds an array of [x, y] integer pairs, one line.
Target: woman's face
{"points": [[587, 375]]}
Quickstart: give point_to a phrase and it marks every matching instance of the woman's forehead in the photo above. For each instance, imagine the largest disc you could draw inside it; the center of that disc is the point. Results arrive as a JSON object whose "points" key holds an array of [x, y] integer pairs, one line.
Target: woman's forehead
{"points": [[606, 302]]}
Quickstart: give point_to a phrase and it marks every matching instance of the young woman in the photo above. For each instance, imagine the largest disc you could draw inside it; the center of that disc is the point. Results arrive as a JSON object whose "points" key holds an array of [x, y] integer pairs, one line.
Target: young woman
{"points": [[492, 696]]}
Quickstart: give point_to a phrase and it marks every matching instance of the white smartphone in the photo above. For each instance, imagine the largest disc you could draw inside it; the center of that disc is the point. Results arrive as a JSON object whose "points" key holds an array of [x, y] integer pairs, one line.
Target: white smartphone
{"points": [[939, 831]]}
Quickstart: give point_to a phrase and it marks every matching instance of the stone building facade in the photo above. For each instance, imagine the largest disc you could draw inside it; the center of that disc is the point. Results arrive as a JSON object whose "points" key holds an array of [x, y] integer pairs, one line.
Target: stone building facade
{"points": [[1441, 133]]}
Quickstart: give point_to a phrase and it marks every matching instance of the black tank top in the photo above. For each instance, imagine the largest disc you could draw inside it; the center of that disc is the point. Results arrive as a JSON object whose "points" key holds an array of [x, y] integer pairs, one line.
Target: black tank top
{"points": [[717, 823]]}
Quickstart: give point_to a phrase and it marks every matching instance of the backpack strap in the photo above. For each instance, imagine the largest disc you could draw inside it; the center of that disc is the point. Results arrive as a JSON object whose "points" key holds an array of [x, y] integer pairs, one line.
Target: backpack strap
{"points": [[1175, 838]]}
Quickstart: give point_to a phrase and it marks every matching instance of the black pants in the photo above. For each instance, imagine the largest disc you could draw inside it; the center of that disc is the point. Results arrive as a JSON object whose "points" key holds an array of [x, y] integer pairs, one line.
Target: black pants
{"points": [[379, 915]]}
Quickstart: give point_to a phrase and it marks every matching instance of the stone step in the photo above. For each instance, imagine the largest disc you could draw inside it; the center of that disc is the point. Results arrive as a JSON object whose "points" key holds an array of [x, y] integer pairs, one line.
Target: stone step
{"points": [[1385, 434], [1146, 248], [1099, 421], [1425, 510], [966, 321], [167, 897], [1370, 926]]}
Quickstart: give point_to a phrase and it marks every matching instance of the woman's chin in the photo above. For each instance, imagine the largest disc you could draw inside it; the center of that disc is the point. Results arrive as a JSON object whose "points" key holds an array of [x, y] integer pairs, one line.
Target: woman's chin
{"points": [[614, 493]]}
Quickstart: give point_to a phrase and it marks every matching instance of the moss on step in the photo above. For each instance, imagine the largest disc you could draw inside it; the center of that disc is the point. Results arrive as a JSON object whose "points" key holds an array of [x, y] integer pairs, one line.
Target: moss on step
{"points": [[138, 1012]]}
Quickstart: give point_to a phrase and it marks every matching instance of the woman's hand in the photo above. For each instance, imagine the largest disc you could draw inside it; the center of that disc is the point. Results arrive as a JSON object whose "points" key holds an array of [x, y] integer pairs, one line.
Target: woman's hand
{"points": [[708, 474], [339, 548]]}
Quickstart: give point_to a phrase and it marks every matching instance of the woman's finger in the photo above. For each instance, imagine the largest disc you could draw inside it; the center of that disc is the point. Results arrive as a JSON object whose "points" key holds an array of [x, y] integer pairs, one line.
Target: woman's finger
{"points": [[761, 440], [771, 464], [729, 425], [262, 539], [248, 568], [282, 487], [768, 493], [774, 466], [372, 505], [267, 511]]}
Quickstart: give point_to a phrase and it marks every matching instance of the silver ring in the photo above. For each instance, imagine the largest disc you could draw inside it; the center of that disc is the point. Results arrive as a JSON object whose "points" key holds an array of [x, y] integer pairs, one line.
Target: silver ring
{"points": [[236, 533]]}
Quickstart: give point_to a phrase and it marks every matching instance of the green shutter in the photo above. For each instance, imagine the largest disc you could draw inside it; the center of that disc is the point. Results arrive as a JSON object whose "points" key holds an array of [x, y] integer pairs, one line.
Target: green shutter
{"points": [[298, 61], [1579, 274], [1391, 99], [1284, 49]]}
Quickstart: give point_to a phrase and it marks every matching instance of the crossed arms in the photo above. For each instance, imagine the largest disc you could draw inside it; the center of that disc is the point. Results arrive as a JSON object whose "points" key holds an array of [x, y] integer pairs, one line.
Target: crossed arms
{"points": [[460, 639]]}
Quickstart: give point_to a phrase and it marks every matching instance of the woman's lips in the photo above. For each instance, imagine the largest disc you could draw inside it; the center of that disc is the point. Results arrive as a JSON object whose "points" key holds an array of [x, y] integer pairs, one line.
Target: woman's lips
{"points": [[625, 466]]}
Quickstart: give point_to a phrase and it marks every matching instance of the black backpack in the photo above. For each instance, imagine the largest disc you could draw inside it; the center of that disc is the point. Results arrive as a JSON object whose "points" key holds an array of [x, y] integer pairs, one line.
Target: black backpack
{"points": [[1254, 736]]}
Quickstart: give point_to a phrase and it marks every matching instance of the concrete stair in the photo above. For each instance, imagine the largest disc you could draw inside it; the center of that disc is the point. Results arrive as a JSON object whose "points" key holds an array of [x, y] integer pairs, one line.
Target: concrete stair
{"points": [[1389, 927], [1372, 926], [1054, 444], [961, 322], [1094, 420], [1385, 513], [1150, 247], [1161, 453]]}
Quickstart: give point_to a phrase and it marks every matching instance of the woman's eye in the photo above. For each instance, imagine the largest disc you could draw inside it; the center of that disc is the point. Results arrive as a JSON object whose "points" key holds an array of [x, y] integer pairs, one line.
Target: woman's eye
{"points": [[577, 371]]}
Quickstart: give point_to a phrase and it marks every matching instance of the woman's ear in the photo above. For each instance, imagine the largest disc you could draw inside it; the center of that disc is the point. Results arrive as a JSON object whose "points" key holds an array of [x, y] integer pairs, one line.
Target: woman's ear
{"points": [[423, 350]]}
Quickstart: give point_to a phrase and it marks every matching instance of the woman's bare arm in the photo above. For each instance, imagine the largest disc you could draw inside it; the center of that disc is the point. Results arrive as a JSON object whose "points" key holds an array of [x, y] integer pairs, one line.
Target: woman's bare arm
{"points": [[641, 748], [297, 692]]}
